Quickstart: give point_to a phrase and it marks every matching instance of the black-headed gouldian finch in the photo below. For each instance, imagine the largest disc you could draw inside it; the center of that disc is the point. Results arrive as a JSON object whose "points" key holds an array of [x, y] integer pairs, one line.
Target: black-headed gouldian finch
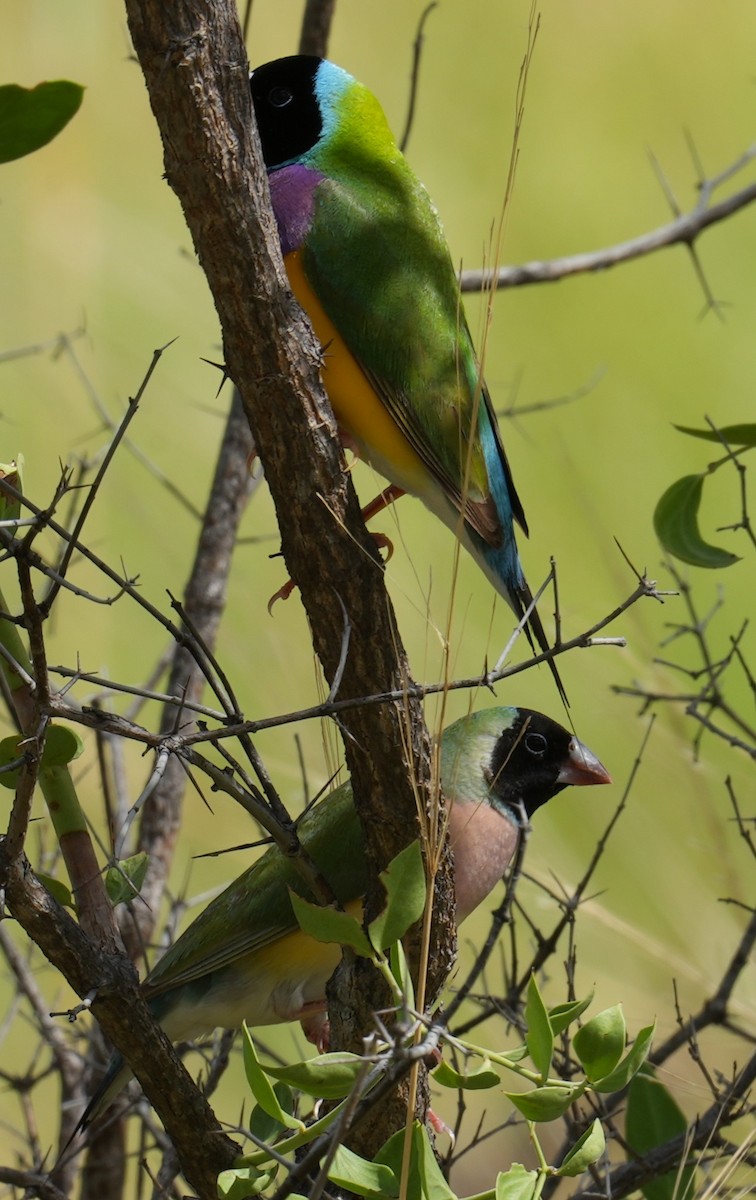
{"points": [[245, 957], [368, 261]]}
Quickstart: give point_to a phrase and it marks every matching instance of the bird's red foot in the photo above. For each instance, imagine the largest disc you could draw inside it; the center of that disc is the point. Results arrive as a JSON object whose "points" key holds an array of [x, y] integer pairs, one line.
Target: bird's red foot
{"points": [[439, 1126], [283, 593], [316, 1027], [383, 543], [382, 500]]}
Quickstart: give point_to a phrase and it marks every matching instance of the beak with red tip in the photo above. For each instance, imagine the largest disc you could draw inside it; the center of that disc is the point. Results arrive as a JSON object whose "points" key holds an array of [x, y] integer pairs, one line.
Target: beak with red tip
{"points": [[581, 767]]}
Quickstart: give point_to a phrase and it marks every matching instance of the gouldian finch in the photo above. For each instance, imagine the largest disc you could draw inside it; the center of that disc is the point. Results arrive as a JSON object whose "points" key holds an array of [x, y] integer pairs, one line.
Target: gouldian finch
{"points": [[245, 958], [367, 259]]}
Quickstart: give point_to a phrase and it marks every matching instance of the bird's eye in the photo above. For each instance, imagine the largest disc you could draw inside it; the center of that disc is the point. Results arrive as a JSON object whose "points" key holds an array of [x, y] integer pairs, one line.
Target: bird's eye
{"points": [[279, 97], [535, 744]]}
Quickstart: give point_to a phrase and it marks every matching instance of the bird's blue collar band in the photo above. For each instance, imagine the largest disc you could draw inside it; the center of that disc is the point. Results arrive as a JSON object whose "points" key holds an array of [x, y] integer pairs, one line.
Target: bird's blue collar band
{"points": [[331, 83]]}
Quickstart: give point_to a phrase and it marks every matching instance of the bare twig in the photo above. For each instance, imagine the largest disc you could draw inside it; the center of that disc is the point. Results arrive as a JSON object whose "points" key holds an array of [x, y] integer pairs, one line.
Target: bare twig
{"points": [[682, 231]]}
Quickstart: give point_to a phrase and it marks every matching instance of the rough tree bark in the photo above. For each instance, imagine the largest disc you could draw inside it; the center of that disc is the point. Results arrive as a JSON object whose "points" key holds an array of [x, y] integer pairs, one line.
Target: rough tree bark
{"points": [[196, 72]]}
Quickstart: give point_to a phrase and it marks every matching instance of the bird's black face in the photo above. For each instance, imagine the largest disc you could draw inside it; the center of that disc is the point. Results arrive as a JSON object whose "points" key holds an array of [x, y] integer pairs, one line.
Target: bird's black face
{"points": [[528, 760], [287, 112]]}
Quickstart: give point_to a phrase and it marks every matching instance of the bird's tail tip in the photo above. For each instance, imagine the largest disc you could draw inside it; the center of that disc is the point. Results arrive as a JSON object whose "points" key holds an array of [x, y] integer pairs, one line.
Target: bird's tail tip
{"points": [[536, 635]]}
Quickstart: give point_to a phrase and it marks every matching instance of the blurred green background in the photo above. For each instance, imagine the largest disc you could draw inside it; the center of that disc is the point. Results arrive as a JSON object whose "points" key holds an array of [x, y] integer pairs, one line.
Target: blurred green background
{"points": [[92, 237]]}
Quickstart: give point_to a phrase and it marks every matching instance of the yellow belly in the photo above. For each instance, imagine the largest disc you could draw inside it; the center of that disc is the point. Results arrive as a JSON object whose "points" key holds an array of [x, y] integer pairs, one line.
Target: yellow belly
{"points": [[361, 415]]}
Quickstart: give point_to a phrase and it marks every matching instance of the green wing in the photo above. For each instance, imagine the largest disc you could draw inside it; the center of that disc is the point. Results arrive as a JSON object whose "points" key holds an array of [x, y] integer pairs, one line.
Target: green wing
{"points": [[378, 261], [255, 909]]}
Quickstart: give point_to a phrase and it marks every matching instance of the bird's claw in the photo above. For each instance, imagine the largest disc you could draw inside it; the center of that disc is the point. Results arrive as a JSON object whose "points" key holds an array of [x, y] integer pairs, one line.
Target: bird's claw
{"points": [[283, 593], [440, 1126], [383, 543]]}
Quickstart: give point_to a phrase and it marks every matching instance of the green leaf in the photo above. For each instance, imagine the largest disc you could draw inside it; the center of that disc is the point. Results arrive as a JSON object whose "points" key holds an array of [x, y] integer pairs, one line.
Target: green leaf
{"points": [[545, 1103], [404, 883], [330, 925], [264, 1127], [513, 1056], [12, 473], [619, 1078], [241, 1182], [124, 880], [653, 1117], [516, 1183], [360, 1176], [676, 525], [734, 435], [563, 1015], [326, 1076], [600, 1043], [391, 1154], [434, 1184], [31, 117], [425, 1180], [472, 1081], [57, 890], [539, 1038], [586, 1151], [261, 1087], [401, 973]]}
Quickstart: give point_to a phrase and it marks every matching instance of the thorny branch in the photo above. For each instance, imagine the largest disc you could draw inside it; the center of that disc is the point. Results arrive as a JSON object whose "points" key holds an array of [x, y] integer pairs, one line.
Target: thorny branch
{"points": [[705, 699]]}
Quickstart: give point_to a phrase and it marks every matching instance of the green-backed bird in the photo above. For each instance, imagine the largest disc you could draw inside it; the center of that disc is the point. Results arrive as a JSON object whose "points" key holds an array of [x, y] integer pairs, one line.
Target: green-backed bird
{"points": [[368, 261], [245, 957]]}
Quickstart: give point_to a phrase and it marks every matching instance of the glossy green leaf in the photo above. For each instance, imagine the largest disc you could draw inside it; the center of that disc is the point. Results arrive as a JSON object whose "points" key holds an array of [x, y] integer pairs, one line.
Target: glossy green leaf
{"points": [[435, 1186], [261, 1087], [472, 1081], [425, 1180], [734, 435], [630, 1065], [586, 1151], [124, 880], [12, 473], [348, 1170], [676, 525], [330, 925], [539, 1038], [32, 117], [240, 1182], [563, 1015], [391, 1154], [652, 1118], [600, 1043], [513, 1056], [544, 1103], [515, 1184], [404, 883], [326, 1076], [401, 973], [264, 1127], [57, 890]]}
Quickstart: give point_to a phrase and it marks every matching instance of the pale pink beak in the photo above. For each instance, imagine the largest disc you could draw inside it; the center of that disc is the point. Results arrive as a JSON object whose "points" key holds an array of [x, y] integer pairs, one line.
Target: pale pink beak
{"points": [[582, 767]]}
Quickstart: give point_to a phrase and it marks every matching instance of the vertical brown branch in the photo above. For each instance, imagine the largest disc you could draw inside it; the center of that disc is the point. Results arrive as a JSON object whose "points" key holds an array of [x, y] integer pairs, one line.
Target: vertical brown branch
{"points": [[196, 74], [316, 27]]}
